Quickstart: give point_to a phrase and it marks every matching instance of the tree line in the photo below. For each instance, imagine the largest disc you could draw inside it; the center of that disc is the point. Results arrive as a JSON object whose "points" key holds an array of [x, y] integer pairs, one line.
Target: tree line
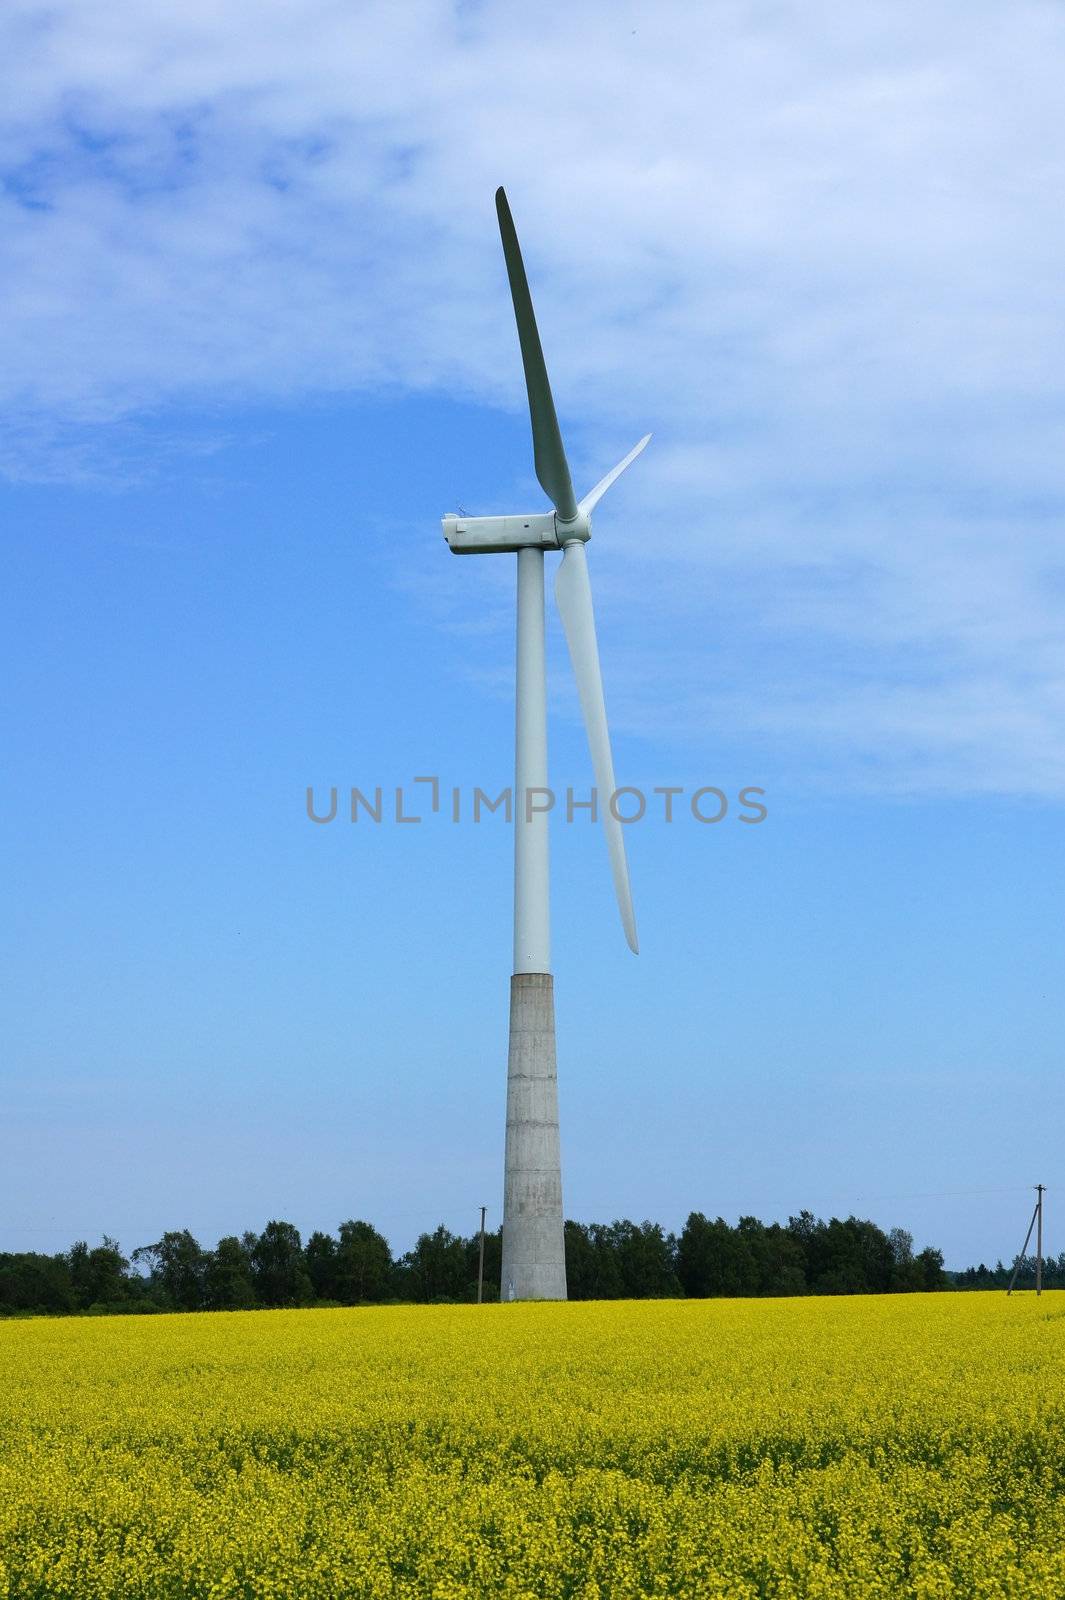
{"points": [[998, 1276], [355, 1266]]}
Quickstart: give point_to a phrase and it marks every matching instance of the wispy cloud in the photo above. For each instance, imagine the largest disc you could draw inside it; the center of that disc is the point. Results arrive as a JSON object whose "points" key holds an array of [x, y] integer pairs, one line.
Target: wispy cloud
{"points": [[817, 248]]}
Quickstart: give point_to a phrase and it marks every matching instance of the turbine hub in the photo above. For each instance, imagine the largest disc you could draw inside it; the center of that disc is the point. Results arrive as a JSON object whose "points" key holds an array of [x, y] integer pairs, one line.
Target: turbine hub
{"points": [[577, 530]]}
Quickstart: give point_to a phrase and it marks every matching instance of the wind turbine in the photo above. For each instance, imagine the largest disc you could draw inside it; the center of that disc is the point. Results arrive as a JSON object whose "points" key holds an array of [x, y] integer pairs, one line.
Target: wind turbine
{"points": [[534, 1258]]}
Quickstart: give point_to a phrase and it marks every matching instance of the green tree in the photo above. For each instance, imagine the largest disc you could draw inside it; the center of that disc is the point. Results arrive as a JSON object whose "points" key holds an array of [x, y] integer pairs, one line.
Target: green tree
{"points": [[436, 1268], [763, 1260], [99, 1277], [363, 1264], [779, 1262], [930, 1262], [228, 1283], [714, 1259], [593, 1271], [278, 1270], [646, 1259], [843, 1257], [580, 1262], [30, 1282], [178, 1268], [493, 1262], [320, 1258], [860, 1258]]}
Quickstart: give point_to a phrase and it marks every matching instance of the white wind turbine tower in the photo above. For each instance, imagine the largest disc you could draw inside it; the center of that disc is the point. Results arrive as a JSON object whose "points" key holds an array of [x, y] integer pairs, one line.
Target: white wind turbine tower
{"points": [[534, 1261]]}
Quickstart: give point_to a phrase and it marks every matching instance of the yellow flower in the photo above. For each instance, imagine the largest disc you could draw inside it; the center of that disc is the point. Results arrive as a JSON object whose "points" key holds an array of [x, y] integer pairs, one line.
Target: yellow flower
{"points": [[810, 1448]]}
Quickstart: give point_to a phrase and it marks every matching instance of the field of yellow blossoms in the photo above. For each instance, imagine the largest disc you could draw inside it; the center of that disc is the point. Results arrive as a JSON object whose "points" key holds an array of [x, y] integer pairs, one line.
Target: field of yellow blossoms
{"points": [[887, 1446]]}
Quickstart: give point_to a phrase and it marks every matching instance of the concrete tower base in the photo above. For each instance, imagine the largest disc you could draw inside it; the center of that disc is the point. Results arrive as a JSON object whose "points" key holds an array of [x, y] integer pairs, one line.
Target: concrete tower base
{"points": [[534, 1252]]}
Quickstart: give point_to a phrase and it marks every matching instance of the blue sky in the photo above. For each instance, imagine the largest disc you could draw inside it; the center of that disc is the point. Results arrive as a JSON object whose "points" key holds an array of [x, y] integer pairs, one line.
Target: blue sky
{"points": [[261, 340]]}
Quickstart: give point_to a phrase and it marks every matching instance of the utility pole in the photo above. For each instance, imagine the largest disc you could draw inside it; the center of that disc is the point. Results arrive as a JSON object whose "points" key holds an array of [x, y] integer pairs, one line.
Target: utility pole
{"points": [[480, 1262], [1039, 1239], [1037, 1215]]}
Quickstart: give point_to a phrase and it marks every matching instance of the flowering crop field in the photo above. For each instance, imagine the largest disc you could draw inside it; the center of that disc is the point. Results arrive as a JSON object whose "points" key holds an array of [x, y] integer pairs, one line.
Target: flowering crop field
{"points": [[883, 1446]]}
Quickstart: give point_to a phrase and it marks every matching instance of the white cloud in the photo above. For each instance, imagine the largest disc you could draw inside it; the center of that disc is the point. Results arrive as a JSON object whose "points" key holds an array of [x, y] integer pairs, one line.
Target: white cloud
{"points": [[816, 247]]}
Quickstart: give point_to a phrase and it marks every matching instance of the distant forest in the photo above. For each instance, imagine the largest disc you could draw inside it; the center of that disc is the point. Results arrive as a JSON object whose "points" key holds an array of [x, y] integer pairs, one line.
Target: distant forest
{"points": [[604, 1261]]}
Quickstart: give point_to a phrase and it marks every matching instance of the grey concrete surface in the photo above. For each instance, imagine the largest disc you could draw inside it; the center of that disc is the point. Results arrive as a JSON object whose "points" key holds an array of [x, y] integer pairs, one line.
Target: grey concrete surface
{"points": [[534, 1255]]}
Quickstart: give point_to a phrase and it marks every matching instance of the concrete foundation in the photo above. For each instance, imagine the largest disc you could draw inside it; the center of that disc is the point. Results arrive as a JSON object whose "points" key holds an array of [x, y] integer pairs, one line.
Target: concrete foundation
{"points": [[534, 1253]]}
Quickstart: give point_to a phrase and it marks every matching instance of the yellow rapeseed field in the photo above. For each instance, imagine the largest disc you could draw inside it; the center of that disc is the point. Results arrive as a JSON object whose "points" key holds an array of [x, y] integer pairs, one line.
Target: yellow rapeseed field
{"points": [[910, 1445]]}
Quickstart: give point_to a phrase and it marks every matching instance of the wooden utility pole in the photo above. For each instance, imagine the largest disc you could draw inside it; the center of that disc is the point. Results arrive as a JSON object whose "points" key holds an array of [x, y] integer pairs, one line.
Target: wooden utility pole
{"points": [[480, 1262], [1039, 1239], [1037, 1216]]}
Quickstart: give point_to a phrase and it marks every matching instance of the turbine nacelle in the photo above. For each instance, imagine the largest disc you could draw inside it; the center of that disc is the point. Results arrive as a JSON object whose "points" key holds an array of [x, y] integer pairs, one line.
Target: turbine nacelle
{"points": [[485, 536], [543, 530]]}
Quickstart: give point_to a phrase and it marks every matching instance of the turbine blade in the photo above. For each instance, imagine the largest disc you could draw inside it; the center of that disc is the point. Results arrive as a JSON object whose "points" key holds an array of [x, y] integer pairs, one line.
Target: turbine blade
{"points": [[552, 468], [592, 499], [574, 596]]}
